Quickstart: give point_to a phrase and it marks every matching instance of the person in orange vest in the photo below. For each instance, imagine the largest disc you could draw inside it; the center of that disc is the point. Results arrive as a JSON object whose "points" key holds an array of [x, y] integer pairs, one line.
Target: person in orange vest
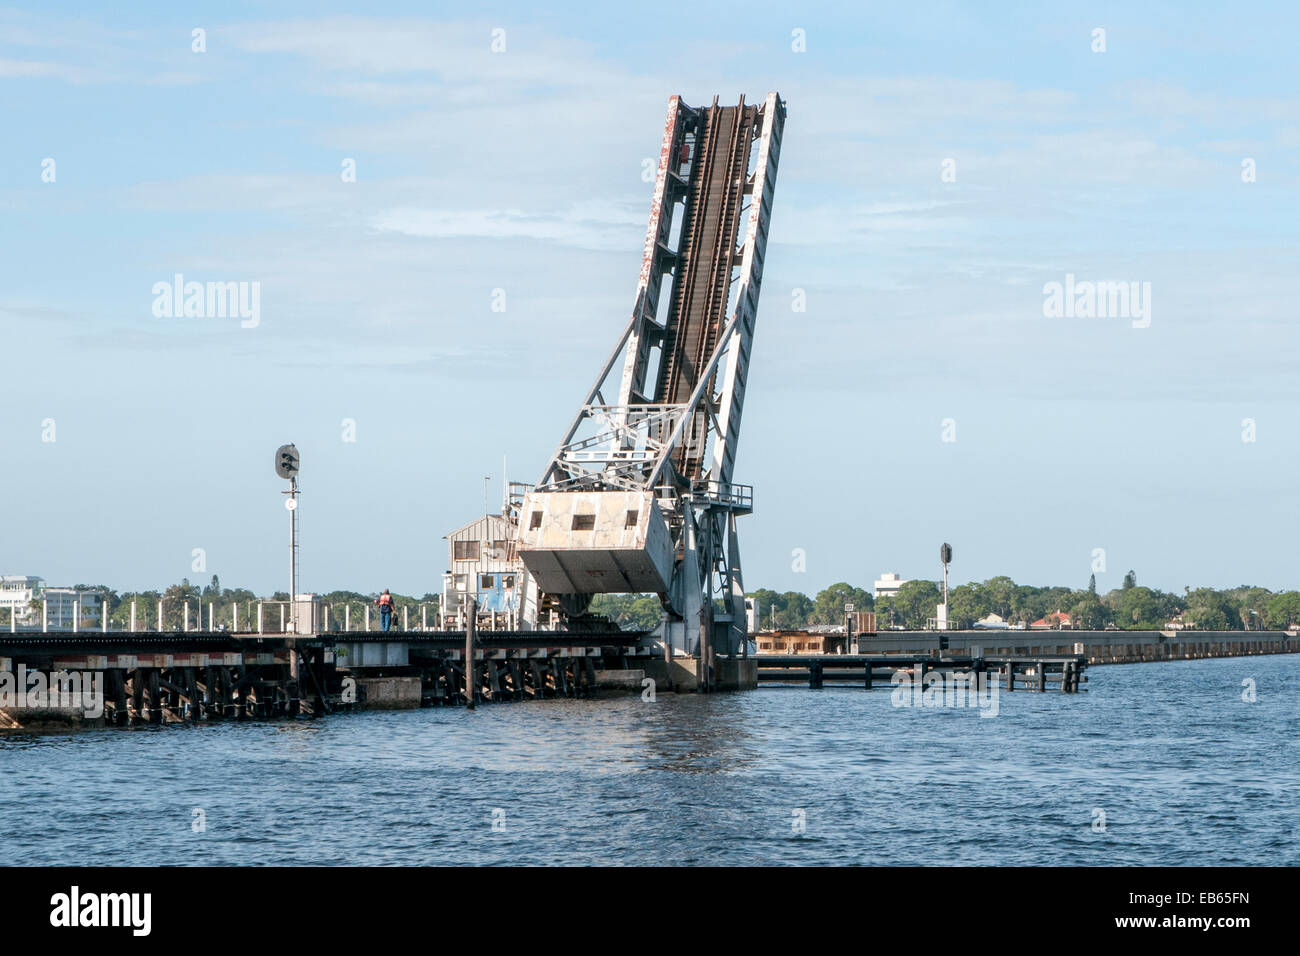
{"points": [[385, 603]]}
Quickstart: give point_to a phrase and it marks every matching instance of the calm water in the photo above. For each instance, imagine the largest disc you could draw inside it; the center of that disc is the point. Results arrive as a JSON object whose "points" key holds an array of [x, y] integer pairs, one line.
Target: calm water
{"points": [[1186, 772]]}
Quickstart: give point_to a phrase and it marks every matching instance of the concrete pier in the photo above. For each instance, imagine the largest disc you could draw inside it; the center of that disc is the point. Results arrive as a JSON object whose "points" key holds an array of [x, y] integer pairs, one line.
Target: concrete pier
{"points": [[683, 674], [628, 679], [388, 693]]}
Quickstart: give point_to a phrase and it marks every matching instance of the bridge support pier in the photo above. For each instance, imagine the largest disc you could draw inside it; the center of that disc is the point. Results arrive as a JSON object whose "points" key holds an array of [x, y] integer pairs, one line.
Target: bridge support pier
{"points": [[682, 674]]}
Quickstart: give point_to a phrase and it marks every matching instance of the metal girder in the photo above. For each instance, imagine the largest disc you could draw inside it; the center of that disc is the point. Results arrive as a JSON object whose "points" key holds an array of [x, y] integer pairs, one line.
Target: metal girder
{"points": [[657, 255], [752, 257]]}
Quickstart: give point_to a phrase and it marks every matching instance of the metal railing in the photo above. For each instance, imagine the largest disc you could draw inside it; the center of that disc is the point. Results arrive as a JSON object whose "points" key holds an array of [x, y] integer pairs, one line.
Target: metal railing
{"points": [[740, 497], [258, 617]]}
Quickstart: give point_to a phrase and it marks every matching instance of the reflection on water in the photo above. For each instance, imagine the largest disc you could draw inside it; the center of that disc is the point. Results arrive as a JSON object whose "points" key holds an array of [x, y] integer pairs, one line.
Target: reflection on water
{"points": [[1185, 771], [697, 736]]}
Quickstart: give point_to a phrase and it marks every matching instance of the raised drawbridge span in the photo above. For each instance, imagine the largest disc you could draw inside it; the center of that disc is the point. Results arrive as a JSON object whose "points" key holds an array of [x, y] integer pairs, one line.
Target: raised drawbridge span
{"points": [[639, 496]]}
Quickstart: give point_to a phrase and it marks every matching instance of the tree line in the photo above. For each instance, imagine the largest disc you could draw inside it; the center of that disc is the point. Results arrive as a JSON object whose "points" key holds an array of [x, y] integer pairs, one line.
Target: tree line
{"points": [[1130, 606]]}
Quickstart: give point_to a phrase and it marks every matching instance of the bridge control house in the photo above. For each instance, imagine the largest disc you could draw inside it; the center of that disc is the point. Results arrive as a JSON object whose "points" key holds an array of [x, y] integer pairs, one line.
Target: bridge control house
{"points": [[482, 564]]}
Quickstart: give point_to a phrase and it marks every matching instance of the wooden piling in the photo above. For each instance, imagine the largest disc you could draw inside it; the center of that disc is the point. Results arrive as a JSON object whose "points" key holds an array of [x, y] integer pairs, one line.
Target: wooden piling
{"points": [[471, 623], [117, 691], [154, 696], [517, 679], [137, 694]]}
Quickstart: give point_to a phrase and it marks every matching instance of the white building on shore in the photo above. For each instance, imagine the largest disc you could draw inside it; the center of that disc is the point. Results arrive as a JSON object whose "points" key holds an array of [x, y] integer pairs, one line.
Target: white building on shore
{"points": [[887, 584], [56, 608], [17, 591], [62, 606]]}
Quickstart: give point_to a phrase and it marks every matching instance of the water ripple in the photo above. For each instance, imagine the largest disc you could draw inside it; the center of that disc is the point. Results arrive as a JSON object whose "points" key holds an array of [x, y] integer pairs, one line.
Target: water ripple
{"points": [[1184, 771]]}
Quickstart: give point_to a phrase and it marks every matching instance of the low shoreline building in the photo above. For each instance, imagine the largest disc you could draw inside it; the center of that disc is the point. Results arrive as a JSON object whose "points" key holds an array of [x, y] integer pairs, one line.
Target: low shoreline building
{"points": [[1058, 620], [797, 642]]}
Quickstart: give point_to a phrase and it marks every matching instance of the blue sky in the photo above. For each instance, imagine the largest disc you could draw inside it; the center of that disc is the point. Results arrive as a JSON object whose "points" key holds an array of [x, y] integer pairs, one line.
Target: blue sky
{"points": [[521, 171]]}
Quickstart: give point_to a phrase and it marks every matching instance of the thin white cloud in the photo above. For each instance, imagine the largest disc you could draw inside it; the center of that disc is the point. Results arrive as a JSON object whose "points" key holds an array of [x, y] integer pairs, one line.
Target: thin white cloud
{"points": [[454, 51], [37, 69], [588, 225]]}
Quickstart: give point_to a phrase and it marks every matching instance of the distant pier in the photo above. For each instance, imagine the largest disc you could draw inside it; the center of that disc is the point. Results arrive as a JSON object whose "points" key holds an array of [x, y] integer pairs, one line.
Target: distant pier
{"points": [[1063, 674], [1096, 647]]}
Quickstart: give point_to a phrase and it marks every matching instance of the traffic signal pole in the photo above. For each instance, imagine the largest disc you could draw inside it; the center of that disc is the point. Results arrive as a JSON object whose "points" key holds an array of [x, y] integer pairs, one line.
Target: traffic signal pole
{"points": [[292, 504], [287, 464]]}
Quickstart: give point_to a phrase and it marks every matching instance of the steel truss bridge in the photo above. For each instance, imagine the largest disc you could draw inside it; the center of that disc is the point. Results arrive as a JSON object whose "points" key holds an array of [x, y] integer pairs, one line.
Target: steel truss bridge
{"points": [[639, 495]]}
